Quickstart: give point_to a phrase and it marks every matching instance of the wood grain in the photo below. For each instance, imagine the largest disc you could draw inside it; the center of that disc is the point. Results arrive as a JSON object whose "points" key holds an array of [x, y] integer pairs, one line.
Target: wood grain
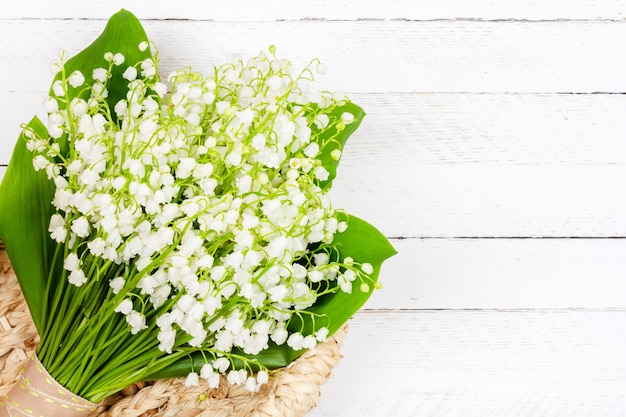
{"points": [[247, 10], [486, 200], [481, 363], [372, 56], [503, 274]]}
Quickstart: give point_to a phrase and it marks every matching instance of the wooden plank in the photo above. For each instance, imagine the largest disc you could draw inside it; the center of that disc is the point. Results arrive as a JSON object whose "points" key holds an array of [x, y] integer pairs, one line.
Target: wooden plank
{"points": [[490, 200], [481, 363], [249, 10], [362, 56], [503, 274], [418, 129], [486, 201]]}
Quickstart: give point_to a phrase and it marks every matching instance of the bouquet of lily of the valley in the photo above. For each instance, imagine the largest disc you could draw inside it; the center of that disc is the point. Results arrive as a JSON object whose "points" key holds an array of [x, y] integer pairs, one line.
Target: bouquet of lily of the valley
{"points": [[181, 227]]}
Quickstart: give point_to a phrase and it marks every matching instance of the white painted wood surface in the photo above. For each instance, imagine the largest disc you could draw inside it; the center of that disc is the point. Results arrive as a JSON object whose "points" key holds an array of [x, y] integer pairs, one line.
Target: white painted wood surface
{"points": [[486, 159], [450, 363], [389, 55]]}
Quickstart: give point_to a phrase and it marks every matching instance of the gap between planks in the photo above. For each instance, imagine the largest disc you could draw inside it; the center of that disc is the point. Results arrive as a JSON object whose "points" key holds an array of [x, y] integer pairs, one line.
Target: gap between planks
{"points": [[330, 20], [502, 237], [247, 10], [377, 311]]}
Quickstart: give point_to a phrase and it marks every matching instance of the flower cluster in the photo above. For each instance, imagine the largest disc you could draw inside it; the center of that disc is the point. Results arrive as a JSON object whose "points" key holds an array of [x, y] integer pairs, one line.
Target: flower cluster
{"points": [[200, 202]]}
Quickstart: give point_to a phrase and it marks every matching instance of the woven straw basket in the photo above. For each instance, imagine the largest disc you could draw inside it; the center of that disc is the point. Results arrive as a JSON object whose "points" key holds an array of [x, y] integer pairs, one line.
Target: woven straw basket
{"points": [[291, 392]]}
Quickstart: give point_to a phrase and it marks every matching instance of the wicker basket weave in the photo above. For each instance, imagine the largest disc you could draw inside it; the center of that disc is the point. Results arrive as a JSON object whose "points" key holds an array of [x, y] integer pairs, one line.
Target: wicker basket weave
{"points": [[291, 392]]}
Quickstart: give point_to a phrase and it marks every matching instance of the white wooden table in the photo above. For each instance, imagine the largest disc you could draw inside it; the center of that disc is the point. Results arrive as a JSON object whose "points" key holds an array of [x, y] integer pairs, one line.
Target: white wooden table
{"points": [[493, 156]]}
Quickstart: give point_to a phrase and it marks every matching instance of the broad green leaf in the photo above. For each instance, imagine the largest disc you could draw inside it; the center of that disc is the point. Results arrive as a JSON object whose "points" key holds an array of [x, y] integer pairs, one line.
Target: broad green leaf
{"points": [[364, 243], [361, 241], [122, 34], [339, 141], [273, 358], [25, 210]]}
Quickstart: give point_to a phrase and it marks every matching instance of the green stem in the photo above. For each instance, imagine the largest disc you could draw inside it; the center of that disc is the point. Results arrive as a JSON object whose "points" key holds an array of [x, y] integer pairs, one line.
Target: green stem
{"points": [[46, 307], [113, 386]]}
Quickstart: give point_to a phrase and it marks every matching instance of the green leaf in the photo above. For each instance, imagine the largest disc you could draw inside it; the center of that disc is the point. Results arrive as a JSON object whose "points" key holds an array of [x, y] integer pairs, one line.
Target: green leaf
{"points": [[361, 241], [327, 146], [123, 33], [272, 358], [25, 210]]}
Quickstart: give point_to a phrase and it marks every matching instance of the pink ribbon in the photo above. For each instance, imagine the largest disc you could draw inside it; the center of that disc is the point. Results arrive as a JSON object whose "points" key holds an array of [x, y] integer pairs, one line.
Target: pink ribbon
{"points": [[37, 394]]}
